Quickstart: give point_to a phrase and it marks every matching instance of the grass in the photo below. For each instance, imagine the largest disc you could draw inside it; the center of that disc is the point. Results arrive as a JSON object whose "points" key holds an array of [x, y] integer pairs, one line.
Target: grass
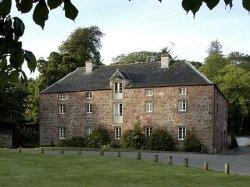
{"points": [[27, 169]]}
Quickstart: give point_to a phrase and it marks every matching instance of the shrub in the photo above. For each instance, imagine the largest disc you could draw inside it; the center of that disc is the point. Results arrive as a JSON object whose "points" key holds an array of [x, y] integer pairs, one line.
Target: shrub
{"points": [[192, 143], [134, 139], [73, 142], [160, 140], [98, 138]]}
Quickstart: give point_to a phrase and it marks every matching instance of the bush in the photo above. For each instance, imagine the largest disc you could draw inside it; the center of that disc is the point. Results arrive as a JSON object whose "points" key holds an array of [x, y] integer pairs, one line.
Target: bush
{"points": [[192, 143], [160, 140], [133, 139], [98, 138], [73, 142]]}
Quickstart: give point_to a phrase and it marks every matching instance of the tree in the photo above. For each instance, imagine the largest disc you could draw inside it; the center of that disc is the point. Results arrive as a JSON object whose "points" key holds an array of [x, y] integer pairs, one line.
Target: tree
{"points": [[12, 55], [214, 47], [240, 59], [234, 82], [213, 64], [141, 56], [83, 44]]}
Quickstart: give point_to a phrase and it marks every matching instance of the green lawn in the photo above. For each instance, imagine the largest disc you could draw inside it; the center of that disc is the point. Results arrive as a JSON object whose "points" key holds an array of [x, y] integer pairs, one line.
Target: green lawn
{"points": [[27, 169]]}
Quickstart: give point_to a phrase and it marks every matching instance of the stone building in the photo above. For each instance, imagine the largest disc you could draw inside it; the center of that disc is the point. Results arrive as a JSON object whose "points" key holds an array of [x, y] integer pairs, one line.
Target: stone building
{"points": [[172, 95]]}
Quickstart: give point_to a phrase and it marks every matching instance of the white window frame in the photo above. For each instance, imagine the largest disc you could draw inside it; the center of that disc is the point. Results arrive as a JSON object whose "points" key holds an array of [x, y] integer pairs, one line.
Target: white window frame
{"points": [[62, 132], [62, 96], [118, 132], [182, 131], [149, 92], [149, 106], [89, 108], [182, 105], [89, 130], [118, 87], [182, 91], [61, 109], [148, 131], [88, 95]]}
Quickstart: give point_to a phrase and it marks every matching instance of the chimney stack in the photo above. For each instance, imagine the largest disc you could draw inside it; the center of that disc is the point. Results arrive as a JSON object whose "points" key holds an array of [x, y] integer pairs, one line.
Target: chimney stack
{"points": [[88, 66], [165, 60]]}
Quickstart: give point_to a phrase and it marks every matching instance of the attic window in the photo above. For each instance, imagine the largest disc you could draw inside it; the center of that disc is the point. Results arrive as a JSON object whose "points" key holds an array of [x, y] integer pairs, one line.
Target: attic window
{"points": [[62, 97], [88, 95], [148, 92], [182, 91], [118, 87]]}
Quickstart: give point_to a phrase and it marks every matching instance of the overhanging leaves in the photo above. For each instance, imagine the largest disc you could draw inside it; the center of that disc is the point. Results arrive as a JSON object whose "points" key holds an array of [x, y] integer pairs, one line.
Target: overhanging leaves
{"points": [[41, 13], [54, 3], [246, 4], [25, 5], [211, 3], [31, 60], [18, 27], [229, 2], [5, 6], [191, 5], [71, 11]]}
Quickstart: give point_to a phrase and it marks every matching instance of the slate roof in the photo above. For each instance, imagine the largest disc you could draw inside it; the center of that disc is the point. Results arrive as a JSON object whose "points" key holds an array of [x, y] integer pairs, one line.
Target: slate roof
{"points": [[139, 75]]}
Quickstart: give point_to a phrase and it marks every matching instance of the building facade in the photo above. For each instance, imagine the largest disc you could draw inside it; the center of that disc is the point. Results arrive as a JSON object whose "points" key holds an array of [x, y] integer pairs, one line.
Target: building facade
{"points": [[170, 95]]}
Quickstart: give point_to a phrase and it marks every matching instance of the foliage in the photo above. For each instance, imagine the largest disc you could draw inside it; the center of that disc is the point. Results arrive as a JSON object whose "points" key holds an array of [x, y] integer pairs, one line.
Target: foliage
{"points": [[98, 138], [83, 44], [12, 56], [73, 142], [160, 140], [134, 139], [60, 64], [141, 56], [12, 104], [234, 143], [192, 143], [240, 59], [29, 135], [234, 82], [215, 47]]}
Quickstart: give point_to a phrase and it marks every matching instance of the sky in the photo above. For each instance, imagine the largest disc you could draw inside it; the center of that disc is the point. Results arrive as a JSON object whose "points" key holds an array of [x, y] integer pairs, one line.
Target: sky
{"points": [[138, 25]]}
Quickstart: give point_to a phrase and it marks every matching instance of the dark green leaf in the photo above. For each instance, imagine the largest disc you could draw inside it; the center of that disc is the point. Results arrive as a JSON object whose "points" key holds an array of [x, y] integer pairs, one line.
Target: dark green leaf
{"points": [[54, 3], [17, 59], [246, 4], [14, 76], [41, 13], [23, 76], [18, 27], [186, 5], [193, 5], [25, 5], [71, 11], [31, 60], [229, 2], [211, 3], [5, 6]]}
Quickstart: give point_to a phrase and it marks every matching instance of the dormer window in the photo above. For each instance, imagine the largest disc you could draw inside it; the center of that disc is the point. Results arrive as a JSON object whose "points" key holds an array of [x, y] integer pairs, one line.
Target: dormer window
{"points": [[182, 91], [88, 95], [62, 97], [118, 87]]}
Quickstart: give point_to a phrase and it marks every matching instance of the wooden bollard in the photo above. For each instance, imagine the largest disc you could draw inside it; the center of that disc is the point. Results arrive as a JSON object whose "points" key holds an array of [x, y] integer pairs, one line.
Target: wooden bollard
{"points": [[138, 155], [20, 149], [170, 161], [79, 151], [185, 162], [156, 158], [227, 168], [42, 151], [62, 151], [102, 153], [205, 166], [119, 154]]}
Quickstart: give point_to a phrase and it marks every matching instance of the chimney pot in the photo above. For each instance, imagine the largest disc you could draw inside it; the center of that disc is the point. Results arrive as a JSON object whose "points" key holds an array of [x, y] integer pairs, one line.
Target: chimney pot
{"points": [[88, 66], [165, 60]]}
